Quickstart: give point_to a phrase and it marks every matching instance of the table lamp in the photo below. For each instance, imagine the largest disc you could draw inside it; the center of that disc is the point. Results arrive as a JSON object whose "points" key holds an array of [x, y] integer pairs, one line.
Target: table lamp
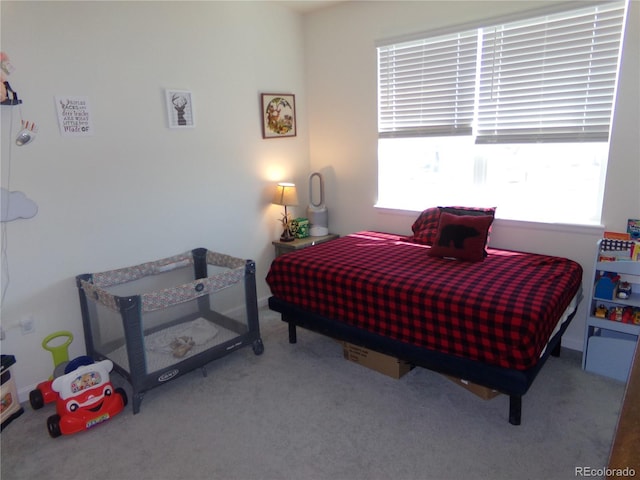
{"points": [[286, 195]]}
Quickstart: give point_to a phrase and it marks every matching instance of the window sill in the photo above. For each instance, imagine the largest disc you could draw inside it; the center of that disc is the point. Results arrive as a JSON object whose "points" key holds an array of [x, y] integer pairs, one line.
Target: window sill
{"points": [[583, 229]]}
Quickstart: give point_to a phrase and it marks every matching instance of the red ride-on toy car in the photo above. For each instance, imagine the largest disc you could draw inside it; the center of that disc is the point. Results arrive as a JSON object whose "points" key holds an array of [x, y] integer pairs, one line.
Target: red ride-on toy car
{"points": [[86, 398], [43, 394]]}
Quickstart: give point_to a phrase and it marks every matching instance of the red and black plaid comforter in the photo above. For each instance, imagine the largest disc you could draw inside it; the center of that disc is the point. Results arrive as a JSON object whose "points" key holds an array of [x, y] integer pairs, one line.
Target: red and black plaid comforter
{"points": [[500, 311]]}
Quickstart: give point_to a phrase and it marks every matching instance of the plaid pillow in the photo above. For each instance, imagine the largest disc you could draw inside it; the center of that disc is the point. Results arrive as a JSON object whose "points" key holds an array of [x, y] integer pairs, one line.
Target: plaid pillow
{"points": [[425, 228], [461, 236]]}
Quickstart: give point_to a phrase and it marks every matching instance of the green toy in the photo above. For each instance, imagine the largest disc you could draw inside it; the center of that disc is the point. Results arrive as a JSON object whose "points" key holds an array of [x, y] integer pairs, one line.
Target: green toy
{"points": [[60, 352]]}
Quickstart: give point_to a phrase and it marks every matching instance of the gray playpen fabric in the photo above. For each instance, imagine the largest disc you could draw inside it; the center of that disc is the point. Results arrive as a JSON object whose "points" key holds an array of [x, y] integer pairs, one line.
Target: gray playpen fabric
{"points": [[235, 269]]}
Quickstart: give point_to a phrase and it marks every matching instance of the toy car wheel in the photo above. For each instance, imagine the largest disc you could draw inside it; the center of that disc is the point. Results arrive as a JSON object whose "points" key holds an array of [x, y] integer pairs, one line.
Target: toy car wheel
{"points": [[53, 425], [123, 394], [36, 399]]}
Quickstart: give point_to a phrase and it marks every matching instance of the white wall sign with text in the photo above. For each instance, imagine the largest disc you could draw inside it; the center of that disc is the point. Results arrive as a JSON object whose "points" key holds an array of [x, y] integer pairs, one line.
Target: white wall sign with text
{"points": [[74, 116]]}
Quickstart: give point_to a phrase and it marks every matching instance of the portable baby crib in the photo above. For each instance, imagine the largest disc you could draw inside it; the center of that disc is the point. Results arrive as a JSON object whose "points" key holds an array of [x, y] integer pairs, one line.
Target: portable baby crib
{"points": [[178, 324]]}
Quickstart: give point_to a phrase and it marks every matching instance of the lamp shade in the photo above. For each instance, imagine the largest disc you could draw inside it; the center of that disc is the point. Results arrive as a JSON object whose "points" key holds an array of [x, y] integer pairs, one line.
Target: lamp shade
{"points": [[286, 194]]}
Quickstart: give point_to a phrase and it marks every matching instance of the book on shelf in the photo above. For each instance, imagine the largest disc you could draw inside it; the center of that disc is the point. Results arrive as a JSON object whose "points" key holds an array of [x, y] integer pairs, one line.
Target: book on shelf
{"points": [[617, 235], [633, 228], [615, 250]]}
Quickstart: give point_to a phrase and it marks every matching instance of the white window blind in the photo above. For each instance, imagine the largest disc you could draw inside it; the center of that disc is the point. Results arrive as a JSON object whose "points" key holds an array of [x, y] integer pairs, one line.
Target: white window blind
{"points": [[550, 78], [427, 87], [545, 79]]}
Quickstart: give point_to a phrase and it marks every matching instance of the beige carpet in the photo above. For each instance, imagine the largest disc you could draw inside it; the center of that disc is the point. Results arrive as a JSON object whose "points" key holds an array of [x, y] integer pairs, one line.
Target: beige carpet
{"points": [[303, 412]]}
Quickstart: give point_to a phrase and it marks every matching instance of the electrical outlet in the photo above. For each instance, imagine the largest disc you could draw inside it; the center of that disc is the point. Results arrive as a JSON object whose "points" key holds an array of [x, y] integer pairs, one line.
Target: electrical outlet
{"points": [[27, 325]]}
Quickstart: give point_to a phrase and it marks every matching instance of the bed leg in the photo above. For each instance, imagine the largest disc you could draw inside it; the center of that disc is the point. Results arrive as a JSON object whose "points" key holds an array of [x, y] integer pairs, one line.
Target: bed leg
{"points": [[293, 336], [515, 409]]}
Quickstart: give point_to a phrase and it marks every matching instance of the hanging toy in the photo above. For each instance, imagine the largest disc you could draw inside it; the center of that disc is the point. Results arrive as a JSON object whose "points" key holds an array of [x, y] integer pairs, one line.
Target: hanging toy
{"points": [[27, 134], [5, 69], [7, 95]]}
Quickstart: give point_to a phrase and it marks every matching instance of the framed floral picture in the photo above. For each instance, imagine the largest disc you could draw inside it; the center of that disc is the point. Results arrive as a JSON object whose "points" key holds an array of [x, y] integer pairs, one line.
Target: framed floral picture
{"points": [[180, 109], [278, 115]]}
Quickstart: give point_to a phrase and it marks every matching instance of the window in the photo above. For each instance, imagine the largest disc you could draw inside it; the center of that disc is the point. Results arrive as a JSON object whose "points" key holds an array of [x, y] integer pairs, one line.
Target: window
{"points": [[427, 87], [514, 115]]}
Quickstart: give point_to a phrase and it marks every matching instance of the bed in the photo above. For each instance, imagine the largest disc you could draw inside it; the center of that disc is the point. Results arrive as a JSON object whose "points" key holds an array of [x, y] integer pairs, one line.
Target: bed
{"points": [[493, 321]]}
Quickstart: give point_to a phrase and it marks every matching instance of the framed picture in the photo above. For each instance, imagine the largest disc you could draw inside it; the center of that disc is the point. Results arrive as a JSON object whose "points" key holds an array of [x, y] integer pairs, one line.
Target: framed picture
{"points": [[180, 109], [278, 115]]}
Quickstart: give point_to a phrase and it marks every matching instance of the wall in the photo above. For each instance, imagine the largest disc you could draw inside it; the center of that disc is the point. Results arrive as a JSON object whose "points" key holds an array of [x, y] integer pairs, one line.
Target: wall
{"points": [[341, 88], [622, 195], [136, 190]]}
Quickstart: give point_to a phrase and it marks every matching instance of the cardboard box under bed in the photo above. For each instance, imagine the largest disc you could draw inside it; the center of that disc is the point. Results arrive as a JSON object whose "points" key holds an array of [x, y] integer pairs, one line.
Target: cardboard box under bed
{"points": [[161, 319]]}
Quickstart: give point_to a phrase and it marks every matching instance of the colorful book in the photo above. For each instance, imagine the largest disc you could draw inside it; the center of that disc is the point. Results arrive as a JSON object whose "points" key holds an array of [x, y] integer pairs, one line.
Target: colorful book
{"points": [[633, 228], [617, 235]]}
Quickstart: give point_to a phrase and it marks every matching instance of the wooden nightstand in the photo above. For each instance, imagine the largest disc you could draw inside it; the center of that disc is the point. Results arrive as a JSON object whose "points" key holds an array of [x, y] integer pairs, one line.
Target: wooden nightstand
{"points": [[300, 243]]}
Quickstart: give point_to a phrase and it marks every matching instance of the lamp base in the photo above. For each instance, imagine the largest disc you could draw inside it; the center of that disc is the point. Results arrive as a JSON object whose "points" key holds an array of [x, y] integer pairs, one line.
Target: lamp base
{"points": [[287, 237]]}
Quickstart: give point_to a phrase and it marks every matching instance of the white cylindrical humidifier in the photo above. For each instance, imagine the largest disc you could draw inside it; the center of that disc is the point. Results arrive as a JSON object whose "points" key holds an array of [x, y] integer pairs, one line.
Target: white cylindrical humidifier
{"points": [[317, 213]]}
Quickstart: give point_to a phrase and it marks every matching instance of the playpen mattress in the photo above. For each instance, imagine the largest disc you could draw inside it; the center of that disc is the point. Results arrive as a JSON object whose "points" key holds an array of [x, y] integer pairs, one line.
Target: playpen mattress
{"points": [[158, 351], [501, 311]]}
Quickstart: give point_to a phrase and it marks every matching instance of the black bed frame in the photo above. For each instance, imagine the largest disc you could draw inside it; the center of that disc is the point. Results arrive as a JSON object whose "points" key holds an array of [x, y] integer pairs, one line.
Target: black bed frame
{"points": [[514, 383]]}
